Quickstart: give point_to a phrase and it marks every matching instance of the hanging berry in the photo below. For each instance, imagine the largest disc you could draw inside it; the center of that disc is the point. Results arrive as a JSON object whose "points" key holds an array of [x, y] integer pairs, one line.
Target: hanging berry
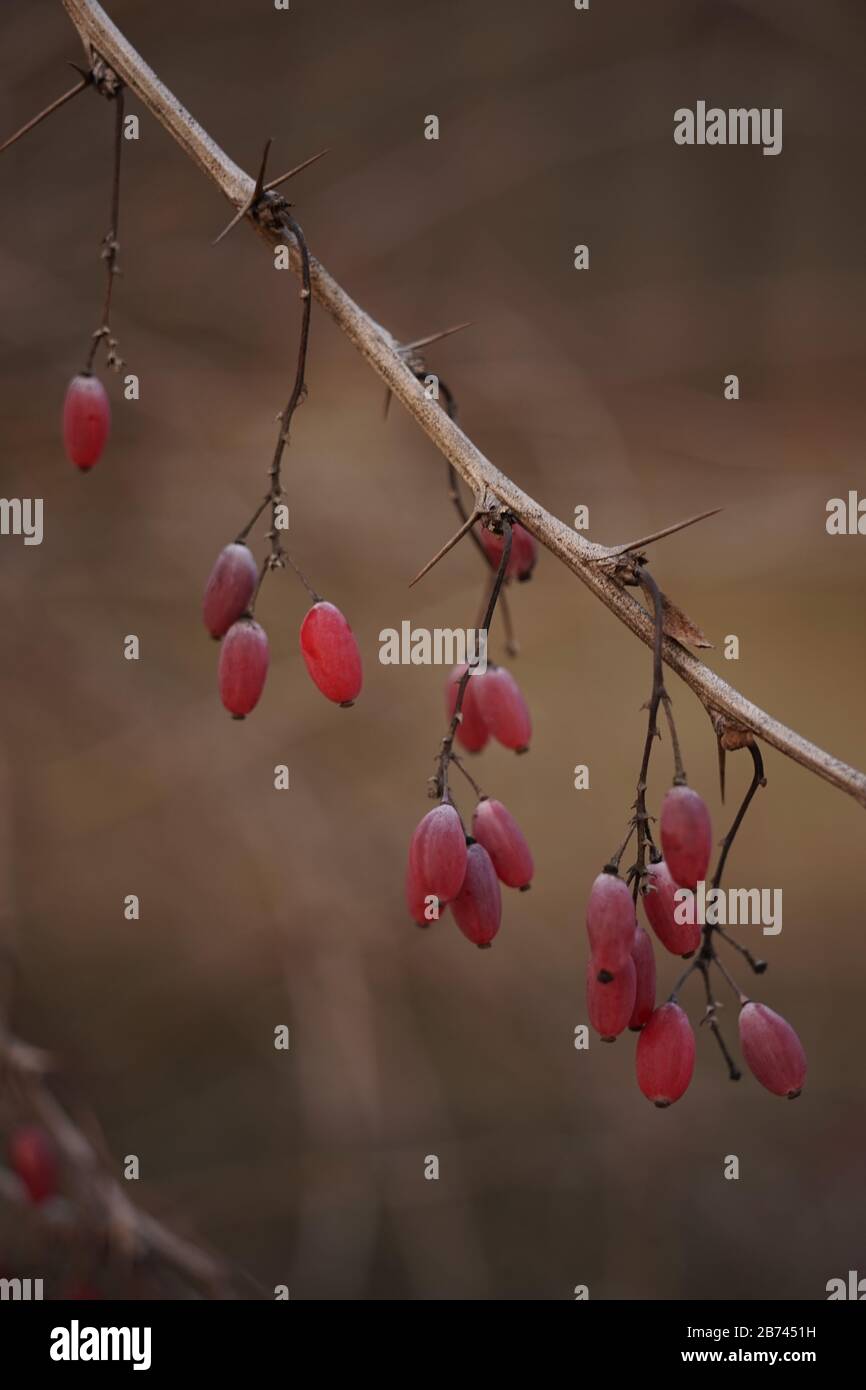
{"points": [[682, 938], [645, 980], [687, 837], [437, 853], [230, 587], [503, 708], [610, 925], [331, 654], [665, 1055], [472, 731], [243, 667], [495, 828], [773, 1052], [477, 907], [86, 420], [610, 1006]]}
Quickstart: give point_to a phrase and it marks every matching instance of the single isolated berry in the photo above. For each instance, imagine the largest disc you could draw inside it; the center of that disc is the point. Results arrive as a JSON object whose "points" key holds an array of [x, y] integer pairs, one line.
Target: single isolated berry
{"points": [[645, 980], [524, 551], [503, 708], [472, 732], [773, 1052], [33, 1157], [495, 828], [611, 1006], [243, 666], [231, 585], [331, 653], [610, 925], [665, 1055], [687, 836], [478, 906], [86, 420], [662, 910], [437, 854]]}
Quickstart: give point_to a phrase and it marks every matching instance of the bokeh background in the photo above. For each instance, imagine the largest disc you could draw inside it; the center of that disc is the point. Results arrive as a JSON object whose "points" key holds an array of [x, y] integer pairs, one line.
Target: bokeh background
{"points": [[262, 907]]}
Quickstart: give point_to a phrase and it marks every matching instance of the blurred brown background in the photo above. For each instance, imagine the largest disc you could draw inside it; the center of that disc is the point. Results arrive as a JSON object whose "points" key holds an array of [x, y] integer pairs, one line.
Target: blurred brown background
{"points": [[260, 908]]}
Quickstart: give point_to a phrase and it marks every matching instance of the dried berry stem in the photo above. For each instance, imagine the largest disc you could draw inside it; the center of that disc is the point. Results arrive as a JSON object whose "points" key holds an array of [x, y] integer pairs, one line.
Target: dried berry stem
{"points": [[110, 248]]}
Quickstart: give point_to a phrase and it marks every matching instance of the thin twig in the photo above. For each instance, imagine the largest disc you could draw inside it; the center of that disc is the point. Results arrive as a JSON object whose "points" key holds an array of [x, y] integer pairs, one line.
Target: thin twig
{"points": [[53, 106], [110, 248]]}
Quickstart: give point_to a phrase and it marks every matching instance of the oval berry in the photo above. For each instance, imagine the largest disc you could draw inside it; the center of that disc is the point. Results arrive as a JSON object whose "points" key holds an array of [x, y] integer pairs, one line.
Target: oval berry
{"points": [[472, 732], [33, 1157], [243, 666], [478, 906], [503, 708], [610, 924], [437, 853], [645, 980], [662, 910], [494, 827], [86, 420], [611, 1006], [424, 908], [773, 1052], [665, 1055], [331, 653], [524, 550], [687, 836], [230, 587]]}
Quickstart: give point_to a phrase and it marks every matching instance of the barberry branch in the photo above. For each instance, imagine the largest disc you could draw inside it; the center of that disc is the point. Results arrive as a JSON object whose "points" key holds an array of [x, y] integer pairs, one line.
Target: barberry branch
{"points": [[595, 565]]}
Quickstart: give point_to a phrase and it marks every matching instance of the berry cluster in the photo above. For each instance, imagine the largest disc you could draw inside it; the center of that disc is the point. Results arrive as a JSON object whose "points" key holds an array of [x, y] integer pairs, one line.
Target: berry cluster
{"points": [[621, 973], [328, 645], [447, 866]]}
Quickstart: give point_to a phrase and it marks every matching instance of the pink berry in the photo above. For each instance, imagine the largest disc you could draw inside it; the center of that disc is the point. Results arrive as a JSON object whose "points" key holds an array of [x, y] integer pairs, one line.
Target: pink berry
{"points": [[687, 837], [495, 828], [773, 1052], [645, 986], [33, 1157], [243, 666], [331, 653], [682, 938], [478, 906], [665, 1055], [503, 708], [86, 420], [472, 732], [422, 906], [611, 1006], [524, 550], [610, 924], [231, 585], [437, 854]]}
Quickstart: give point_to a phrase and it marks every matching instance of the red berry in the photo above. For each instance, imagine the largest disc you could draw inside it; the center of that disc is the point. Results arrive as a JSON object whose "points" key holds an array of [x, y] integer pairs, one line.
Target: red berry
{"points": [[645, 991], [687, 837], [495, 828], [33, 1157], [611, 1006], [243, 666], [503, 708], [472, 732], [331, 653], [524, 550], [682, 938], [610, 924], [665, 1055], [437, 853], [478, 906], [773, 1052], [231, 585], [86, 420], [419, 902]]}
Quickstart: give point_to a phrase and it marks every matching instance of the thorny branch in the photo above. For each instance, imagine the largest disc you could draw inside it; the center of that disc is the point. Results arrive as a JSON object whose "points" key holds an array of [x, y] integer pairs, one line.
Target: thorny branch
{"points": [[594, 565]]}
